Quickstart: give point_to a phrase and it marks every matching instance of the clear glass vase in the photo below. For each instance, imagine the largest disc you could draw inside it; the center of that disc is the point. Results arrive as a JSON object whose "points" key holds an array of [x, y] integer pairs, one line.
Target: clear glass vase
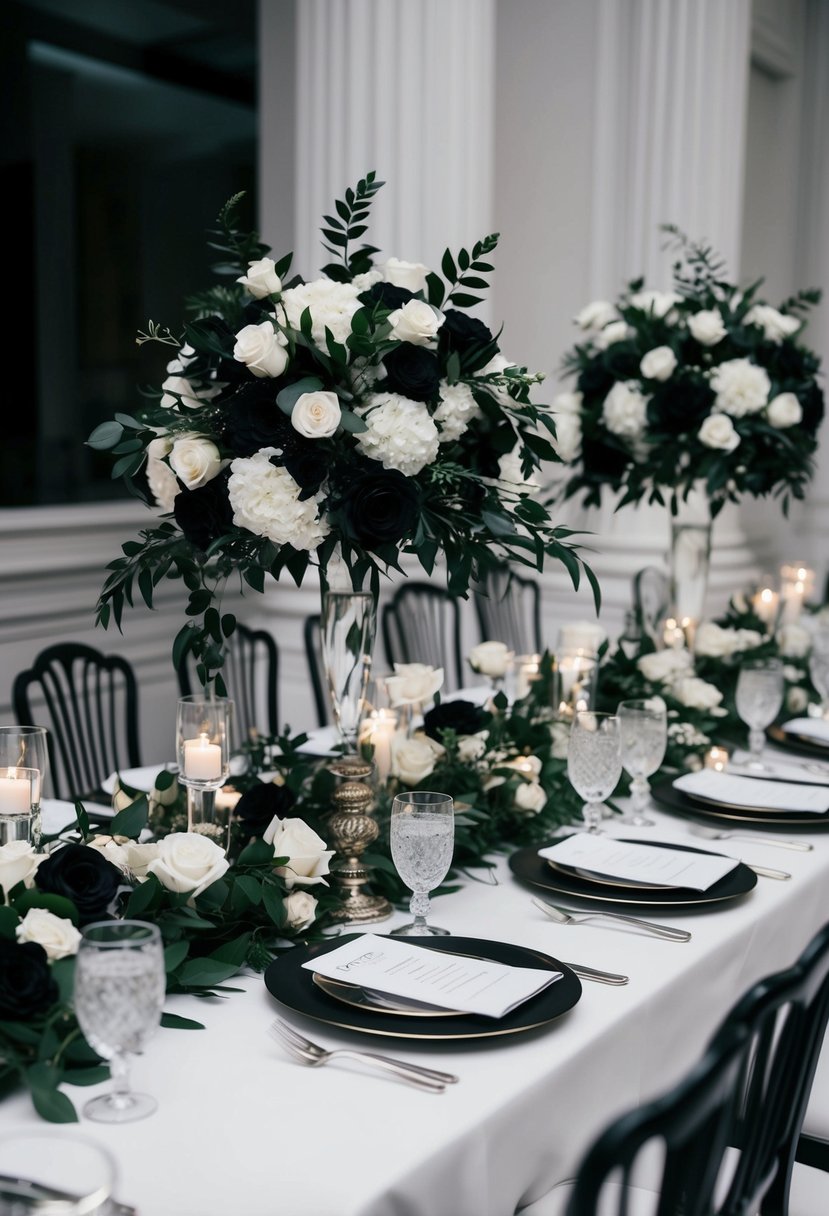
{"points": [[348, 628], [690, 558]]}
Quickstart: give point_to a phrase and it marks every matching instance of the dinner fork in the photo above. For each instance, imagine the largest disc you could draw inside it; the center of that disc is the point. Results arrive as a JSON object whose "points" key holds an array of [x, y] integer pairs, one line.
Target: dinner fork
{"points": [[568, 918], [310, 1053], [714, 834]]}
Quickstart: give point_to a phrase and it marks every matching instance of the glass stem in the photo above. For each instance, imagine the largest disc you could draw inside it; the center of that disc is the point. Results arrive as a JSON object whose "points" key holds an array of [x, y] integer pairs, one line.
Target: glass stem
{"points": [[640, 791], [593, 815], [119, 1070], [756, 739], [419, 908]]}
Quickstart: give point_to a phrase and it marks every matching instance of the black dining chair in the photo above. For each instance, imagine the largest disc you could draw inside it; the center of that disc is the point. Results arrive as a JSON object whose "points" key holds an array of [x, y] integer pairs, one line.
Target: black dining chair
{"points": [[251, 676], [422, 624], [508, 608], [89, 703], [312, 634], [725, 1140]]}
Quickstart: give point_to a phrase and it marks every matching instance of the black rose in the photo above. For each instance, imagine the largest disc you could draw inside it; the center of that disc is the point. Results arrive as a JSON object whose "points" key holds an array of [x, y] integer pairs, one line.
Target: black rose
{"points": [[468, 337], [386, 295], [680, 405], [622, 360], [413, 372], [261, 803], [253, 420], [309, 466], [463, 717], [204, 514], [811, 399], [602, 459], [594, 380], [26, 983], [83, 875], [379, 508]]}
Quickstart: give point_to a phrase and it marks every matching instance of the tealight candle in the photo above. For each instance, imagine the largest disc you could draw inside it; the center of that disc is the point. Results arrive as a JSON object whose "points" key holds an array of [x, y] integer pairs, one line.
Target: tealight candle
{"points": [[16, 792], [716, 758], [202, 759]]}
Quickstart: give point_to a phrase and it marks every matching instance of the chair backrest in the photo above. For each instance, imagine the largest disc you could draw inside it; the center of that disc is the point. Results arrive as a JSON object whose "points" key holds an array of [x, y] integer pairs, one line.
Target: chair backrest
{"points": [[89, 703], [508, 607], [251, 676], [651, 600], [730, 1129], [312, 633], [422, 625]]}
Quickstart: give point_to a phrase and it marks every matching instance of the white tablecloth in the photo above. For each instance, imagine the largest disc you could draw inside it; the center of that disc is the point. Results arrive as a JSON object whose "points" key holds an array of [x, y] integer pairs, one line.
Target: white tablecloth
{"points": [[241, 1130]]}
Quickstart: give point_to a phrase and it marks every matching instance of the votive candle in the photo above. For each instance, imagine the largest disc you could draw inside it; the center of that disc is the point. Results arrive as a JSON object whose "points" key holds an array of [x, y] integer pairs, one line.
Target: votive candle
{"points": [[16, 792], [202, 759], [717, 759]]}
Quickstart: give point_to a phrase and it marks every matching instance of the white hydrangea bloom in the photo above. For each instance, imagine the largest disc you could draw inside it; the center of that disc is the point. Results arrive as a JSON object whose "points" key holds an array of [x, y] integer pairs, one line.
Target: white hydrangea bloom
{"points": [[332, 306], [401, 433], [265, 500], [456, 410], [741, 387]]}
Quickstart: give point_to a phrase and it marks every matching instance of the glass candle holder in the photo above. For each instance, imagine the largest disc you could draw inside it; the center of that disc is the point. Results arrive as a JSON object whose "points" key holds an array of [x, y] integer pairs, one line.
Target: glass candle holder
{"points": [[26, 747], [19, 804], [203, 729], [575, 674], [797, 582]]}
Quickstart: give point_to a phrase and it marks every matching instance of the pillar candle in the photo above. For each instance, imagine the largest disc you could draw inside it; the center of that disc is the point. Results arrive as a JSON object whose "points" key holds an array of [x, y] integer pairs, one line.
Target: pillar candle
{"points": [[202, 759]]}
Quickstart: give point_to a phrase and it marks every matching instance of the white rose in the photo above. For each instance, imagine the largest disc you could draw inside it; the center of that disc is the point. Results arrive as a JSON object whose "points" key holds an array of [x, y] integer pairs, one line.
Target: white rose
{"points": [[416, 322], [794, 641], [796, 700], [490, 659], [139, 857], [366, 280], [625, 411], [616, 331], [711, 639], [401, 433], [696, 693], [316, 415], [160, 477], [259, 347], [179, 365], [187, 861], [18, 863], [111, 847], [413, 683], [741, 387], [775, 325], [529, 766], [455, 411], [57, 935], [411, 275], [529, 798], [707, 326], [261, 279], [332, 305], [658, 364], [472, 747], [657, 303], [308, 858], [195, 461], [717, 431], [300, 909], [747, 639], [784, 410], [596, 315], [175, 391], [567, 437], [664, 666], [266, 500], [413, 760]]}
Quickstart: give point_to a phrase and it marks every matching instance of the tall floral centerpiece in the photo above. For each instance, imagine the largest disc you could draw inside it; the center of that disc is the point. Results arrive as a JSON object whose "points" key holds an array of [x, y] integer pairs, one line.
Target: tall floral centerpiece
{"points": [[338, 422], [692, 397]]}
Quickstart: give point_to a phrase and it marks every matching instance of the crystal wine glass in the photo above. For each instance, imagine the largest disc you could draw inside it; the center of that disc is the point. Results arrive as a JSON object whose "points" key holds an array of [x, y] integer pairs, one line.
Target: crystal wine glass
{"points": [[594, 762], [119, 991], [422, 841], [819, 668], [643, 733], [759, 698]]}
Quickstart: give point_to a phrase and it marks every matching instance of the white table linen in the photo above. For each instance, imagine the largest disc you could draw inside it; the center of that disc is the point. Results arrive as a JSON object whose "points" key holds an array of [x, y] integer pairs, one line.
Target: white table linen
{"points": [[242, 1129]]}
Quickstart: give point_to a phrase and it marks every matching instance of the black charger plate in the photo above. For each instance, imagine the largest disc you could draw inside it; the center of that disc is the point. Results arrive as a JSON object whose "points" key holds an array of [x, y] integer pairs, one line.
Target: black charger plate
{"points": [[674, 800]]}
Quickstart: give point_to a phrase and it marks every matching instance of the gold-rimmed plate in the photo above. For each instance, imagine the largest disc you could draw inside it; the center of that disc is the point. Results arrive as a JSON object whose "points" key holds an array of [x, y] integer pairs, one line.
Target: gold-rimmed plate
{"points": [[527, 866], [292, 985], [365, 998], [606, 880], [674, 800], [801, 745]]}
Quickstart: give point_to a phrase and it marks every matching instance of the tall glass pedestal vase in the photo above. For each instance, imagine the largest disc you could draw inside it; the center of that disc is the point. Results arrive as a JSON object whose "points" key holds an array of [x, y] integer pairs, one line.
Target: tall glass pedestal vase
{"points": [[348, 627], [689, 560]]}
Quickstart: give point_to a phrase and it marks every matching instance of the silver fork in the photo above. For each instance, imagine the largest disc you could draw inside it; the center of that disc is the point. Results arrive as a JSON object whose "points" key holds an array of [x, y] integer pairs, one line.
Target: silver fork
{"points": [[714, 834], [568, 918], [312, 1054]]}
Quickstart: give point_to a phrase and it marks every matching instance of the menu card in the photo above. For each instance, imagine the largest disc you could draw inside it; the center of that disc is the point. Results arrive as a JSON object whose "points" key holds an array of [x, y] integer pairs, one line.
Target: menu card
{"points": [[645, 863], [773, 769], [731, 790], [447, 981], [809, 728]]}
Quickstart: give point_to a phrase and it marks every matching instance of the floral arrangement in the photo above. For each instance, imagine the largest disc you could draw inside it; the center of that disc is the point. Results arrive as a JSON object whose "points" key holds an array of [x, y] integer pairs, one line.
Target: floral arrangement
{"points": [[347, 419], [705, 383], [214, 917]]}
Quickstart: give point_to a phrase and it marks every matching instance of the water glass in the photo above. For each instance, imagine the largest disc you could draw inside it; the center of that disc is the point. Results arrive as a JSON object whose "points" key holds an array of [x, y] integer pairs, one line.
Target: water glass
{"points": [[594, 762], [119, 992], [422, 842], [759, 698], [643, 734], [819, 668], [23, 751]]}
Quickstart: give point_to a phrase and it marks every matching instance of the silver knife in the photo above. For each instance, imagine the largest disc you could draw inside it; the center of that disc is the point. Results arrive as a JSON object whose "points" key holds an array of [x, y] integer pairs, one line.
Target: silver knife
{"points": [[600, 977]]}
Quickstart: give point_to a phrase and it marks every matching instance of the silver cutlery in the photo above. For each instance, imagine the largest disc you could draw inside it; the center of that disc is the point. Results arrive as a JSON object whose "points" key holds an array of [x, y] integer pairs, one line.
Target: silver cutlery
{"points": [[765, 872], [715, 834], [310, 1053], [599, 977], [568, 918]]}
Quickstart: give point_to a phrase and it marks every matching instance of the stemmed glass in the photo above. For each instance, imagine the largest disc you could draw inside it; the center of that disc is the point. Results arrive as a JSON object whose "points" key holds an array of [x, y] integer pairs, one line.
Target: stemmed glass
{"points": [[759, 698], [203, 730], [594, 762], [643, 733], [422, 842], [24, 756], [819, 668], [119, 991]]}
